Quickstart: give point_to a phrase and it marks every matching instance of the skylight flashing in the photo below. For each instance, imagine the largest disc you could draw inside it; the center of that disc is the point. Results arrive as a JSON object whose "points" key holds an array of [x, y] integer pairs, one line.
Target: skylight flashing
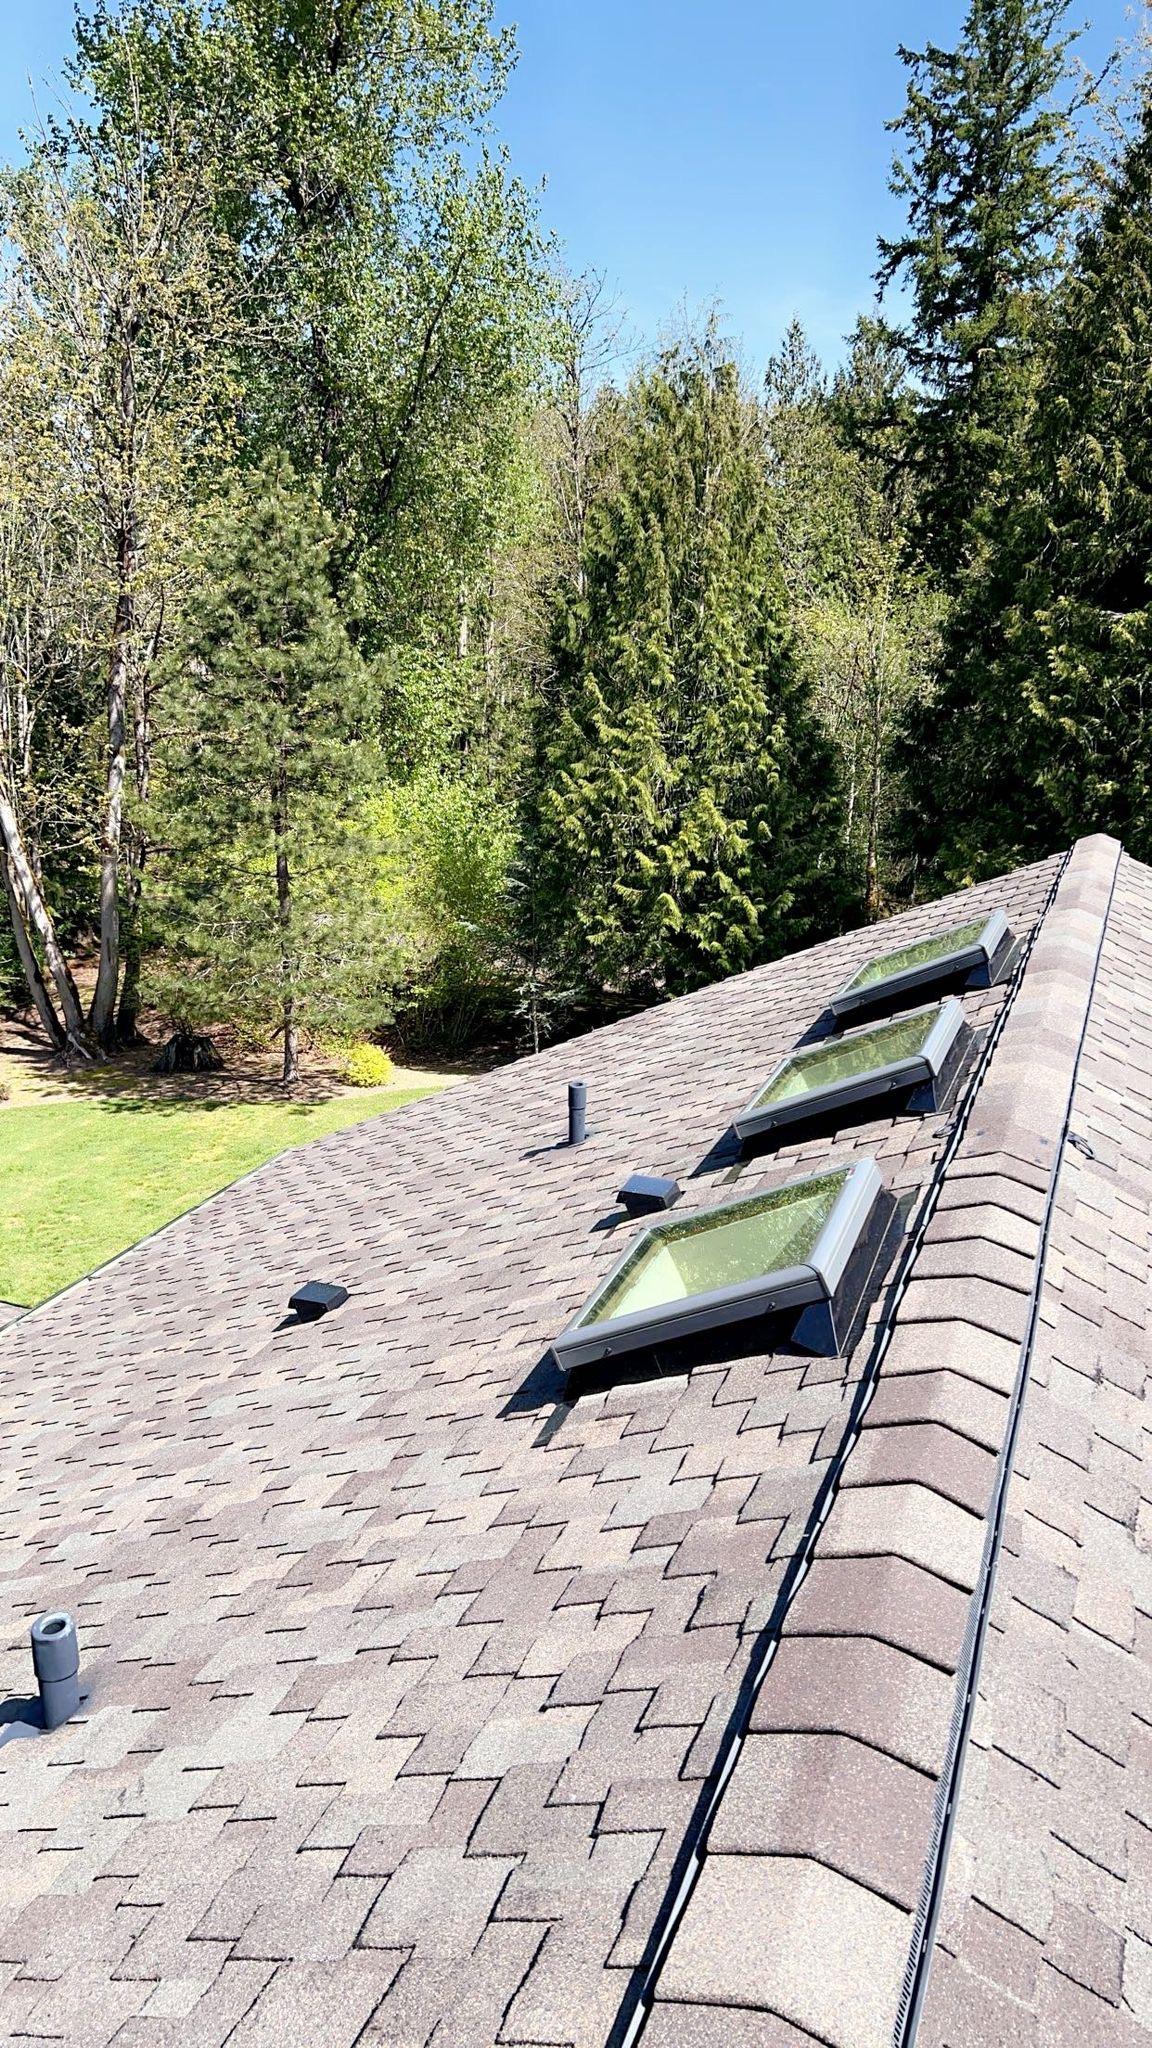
{"points": [[842, 1207], [976, 952], [924, 1049]]}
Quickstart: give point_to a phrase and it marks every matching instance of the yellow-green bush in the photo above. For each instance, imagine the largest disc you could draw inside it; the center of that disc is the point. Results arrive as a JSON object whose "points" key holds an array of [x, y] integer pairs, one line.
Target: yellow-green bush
{"points": [[363, 1065]]}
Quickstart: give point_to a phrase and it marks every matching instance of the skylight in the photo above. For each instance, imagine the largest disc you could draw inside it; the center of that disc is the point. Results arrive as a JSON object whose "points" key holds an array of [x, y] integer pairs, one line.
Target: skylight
{"points": [[973, 950], [921, 1050], [777, 1251]]}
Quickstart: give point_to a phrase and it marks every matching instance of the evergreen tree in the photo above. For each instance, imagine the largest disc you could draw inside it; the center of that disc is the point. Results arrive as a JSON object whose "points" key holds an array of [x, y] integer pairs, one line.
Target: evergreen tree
{"points": [[1045, 732], [267, 777], [989, 188], [687, 821]]}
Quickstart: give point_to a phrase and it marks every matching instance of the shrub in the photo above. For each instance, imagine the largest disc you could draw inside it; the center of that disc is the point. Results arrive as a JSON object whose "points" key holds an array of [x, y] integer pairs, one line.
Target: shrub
{"points": [[448, 884], [362, 1065]]}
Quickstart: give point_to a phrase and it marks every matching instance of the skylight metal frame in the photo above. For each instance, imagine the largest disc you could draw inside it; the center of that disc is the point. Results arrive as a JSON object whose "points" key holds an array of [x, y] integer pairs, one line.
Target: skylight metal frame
{"points": [[979, 963], [817, 1284], [925, 1076]]}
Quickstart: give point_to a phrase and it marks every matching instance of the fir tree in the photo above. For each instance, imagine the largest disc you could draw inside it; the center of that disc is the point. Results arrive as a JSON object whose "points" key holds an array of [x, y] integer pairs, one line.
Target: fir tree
{"points": [[687, 820], [1046, 730], [270, 907], [989, 190]]}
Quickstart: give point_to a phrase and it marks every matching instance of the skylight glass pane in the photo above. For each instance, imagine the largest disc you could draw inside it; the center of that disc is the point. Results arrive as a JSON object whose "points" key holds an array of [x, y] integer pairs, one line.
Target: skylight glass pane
{"points": [[920, 954], [721, 1248], [841, 1059]]}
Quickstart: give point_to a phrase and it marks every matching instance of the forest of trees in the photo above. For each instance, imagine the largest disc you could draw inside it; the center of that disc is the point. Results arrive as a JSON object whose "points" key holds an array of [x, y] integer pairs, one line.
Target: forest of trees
{"points": [[386, 649]]}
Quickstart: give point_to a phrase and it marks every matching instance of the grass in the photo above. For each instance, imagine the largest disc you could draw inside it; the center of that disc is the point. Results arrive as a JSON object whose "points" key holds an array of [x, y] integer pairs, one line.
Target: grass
{"points": [[83, 1179]]}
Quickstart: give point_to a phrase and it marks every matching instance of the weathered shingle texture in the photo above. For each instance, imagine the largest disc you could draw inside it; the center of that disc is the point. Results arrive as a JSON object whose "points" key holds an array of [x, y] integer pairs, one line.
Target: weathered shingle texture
{"points": [[408, 1681], [1046, 1934]]}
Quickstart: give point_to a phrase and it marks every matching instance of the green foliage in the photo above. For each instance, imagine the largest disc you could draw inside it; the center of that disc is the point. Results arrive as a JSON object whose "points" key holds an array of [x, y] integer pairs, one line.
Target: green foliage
{"points": [[867, 621], [686, 820], [488, 691], [388, 261], [452, 841], [272, 912], [363, 1065], [989, 182], [1042, 728]]}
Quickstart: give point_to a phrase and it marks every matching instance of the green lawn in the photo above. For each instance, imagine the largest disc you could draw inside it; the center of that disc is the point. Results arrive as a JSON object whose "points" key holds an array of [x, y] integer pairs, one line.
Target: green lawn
{"points": [[82, 1180]]}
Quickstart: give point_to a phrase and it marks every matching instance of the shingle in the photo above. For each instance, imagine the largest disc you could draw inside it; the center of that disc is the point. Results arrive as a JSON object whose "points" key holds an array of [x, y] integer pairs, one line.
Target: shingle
{"points": [[862, 1688], [797, 1940], [844, 1805], [325, 2004], [887, 1598], [961, 2010], [718, 2026], [982, 1304], [973, 1411], [957, 1347], [951, 1257], [924, 1454], [910, 1522], [341, 1587], [1081, 1947]]}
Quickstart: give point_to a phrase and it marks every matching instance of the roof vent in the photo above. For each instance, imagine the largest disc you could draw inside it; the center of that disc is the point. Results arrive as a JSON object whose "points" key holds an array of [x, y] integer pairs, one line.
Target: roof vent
{"points": [[577, 1112], [972, 955], [915, 1057], [645, 1194], [317, 1299], [56, 1662], [807, 1250]]}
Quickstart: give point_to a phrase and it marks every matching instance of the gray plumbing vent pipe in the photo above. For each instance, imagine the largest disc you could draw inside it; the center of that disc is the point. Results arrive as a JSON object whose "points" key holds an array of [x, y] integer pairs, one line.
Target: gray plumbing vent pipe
{"points": [[56, 1662]]}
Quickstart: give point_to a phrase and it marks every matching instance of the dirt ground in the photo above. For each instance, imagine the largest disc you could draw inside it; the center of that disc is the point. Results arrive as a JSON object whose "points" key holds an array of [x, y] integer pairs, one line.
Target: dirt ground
{"points": [[31, 1072]]}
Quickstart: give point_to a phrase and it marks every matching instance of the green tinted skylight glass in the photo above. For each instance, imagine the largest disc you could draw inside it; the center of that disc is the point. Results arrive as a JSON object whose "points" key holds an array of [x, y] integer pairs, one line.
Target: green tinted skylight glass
{"points": [[722, 1248], [841, 1059], [920, 954]]}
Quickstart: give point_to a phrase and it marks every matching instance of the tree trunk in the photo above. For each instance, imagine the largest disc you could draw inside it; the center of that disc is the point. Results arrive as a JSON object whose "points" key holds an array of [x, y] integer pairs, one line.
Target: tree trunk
{"points": [[103, 1012], [128, 1030], [38, 916], [30, 966], [291, 1072], [872, 905], [128, 1015], [102, 1018]]}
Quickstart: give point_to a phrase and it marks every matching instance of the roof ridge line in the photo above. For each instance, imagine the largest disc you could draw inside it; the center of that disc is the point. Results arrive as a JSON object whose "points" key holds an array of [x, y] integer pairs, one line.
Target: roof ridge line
{"points": [[1107, 852], [637, 2002]]}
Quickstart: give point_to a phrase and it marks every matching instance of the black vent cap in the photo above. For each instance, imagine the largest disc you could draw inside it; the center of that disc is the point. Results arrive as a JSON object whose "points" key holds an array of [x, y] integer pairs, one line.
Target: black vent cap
{"points": [[645, 1193], [317, 1299]]}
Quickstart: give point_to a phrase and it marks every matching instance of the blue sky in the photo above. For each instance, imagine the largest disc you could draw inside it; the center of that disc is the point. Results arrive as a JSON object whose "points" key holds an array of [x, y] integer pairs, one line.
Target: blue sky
{"points": [[693, 150]]}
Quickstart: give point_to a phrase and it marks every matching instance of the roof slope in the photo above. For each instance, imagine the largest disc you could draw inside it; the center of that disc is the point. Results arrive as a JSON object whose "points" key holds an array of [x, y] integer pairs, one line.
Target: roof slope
{"points": [[1046, 1932], [410, 1683]]}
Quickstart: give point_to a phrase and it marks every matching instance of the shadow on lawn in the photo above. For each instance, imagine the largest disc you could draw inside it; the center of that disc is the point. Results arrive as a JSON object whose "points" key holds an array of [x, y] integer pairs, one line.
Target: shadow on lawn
{"points": [[132, 1098], [125, 1083]]}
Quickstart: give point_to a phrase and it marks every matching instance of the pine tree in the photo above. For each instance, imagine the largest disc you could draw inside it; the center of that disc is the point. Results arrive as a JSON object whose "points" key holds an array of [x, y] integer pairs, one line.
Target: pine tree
{"points": [[270, 909], [687, 821], [989, 188]]}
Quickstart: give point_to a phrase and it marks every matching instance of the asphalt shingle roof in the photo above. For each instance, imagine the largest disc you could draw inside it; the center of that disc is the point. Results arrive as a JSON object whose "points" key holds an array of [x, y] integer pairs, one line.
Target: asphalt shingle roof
{"points": [[427, 1708]]}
